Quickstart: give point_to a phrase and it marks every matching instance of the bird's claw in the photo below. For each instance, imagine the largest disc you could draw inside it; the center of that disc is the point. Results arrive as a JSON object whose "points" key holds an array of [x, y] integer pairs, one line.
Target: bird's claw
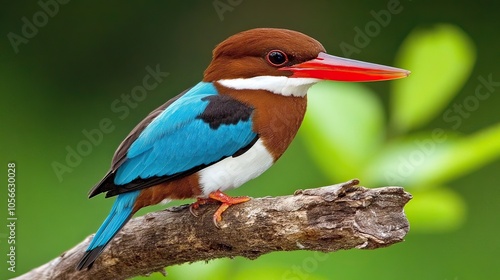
{"points": [[217, 218], [196, 205], [226, 202], [220, 197], [192, 209]]}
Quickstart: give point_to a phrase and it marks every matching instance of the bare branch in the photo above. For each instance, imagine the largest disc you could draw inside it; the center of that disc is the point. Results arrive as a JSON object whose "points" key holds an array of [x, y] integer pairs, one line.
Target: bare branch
{"points": [[326, 219]]}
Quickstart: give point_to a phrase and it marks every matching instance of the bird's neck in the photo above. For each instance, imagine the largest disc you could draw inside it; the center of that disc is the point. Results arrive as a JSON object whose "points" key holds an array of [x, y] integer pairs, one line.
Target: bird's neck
{"points": [[276, 118]]}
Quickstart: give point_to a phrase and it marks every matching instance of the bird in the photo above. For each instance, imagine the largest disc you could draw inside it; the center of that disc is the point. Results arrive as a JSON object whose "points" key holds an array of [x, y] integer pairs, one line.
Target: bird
{"points": [[226, 130]]}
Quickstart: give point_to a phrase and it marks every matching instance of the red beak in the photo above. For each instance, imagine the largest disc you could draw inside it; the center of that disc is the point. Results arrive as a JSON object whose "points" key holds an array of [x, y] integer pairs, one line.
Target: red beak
{"points": [[329, 67]]}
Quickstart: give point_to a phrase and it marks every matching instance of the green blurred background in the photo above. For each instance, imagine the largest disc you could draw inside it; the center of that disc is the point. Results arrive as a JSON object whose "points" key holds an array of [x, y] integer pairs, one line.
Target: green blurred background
{"points": [[66, 77]]}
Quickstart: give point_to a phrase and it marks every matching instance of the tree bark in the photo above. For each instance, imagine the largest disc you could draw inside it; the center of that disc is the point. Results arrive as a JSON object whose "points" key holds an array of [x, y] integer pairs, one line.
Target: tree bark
{"points": [[327, 219]]}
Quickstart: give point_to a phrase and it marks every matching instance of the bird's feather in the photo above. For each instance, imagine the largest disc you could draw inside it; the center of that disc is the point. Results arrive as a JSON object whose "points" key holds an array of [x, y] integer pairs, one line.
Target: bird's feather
{"points": [[198, 129], [121, 212], [119, 157]]}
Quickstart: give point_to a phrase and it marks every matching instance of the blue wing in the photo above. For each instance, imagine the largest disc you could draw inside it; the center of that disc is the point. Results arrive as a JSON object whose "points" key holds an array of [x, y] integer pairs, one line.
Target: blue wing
{"points": [[198, 129]]}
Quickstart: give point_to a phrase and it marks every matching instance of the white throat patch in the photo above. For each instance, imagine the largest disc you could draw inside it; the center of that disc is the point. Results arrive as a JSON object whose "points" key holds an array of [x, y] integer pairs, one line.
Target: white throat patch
{"points": [[276, 84]]}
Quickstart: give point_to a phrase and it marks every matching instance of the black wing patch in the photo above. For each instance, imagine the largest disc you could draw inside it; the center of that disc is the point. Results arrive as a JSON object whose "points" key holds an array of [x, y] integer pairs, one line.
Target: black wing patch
{"points": [[223, 109]]}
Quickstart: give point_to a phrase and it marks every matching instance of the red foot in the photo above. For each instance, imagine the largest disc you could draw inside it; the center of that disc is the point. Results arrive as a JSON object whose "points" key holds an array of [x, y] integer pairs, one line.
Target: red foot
{"points": [[226, 202], [221, 197]]}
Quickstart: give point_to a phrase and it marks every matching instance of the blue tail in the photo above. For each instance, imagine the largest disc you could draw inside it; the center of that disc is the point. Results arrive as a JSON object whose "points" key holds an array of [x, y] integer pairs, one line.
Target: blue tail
{"points": [[117, 218]]}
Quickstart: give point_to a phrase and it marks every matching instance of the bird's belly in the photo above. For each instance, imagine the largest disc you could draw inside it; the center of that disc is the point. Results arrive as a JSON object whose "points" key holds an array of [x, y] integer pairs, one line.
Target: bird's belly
{"points": [[233, 172]]}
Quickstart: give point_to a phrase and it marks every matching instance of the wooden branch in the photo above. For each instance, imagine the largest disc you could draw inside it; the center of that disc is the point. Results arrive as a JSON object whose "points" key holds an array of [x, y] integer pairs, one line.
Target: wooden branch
{"points": [[326, 219]]}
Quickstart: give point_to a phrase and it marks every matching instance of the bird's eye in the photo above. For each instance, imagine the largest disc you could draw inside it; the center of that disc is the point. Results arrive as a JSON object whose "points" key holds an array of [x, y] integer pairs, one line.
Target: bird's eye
{"points": [[276, 58]]}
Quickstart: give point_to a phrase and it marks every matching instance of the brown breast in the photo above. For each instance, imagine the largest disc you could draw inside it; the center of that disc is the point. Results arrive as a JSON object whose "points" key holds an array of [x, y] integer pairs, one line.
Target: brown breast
{"points": [[276, 118]]}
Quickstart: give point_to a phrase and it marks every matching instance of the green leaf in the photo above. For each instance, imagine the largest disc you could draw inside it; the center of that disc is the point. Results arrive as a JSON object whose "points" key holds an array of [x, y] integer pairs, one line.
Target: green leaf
{"points": [[427, 159], [439, 209], [410, 160], [466, 155], [441, 60], [343, 127]]}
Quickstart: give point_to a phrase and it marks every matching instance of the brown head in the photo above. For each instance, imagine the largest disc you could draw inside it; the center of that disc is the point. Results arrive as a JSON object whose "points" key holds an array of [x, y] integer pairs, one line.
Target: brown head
{"points": [[285, 62], [260, 52]]}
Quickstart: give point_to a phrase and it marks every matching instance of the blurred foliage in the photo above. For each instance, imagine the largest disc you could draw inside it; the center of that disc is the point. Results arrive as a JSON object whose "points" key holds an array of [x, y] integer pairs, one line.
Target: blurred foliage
{"points": [[91, 53], [441, 61], [360, 145]]}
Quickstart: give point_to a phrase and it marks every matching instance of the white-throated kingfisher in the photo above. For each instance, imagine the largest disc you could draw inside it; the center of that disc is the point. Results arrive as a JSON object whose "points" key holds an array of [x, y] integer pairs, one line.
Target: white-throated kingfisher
{"points": [[224, 131]]}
